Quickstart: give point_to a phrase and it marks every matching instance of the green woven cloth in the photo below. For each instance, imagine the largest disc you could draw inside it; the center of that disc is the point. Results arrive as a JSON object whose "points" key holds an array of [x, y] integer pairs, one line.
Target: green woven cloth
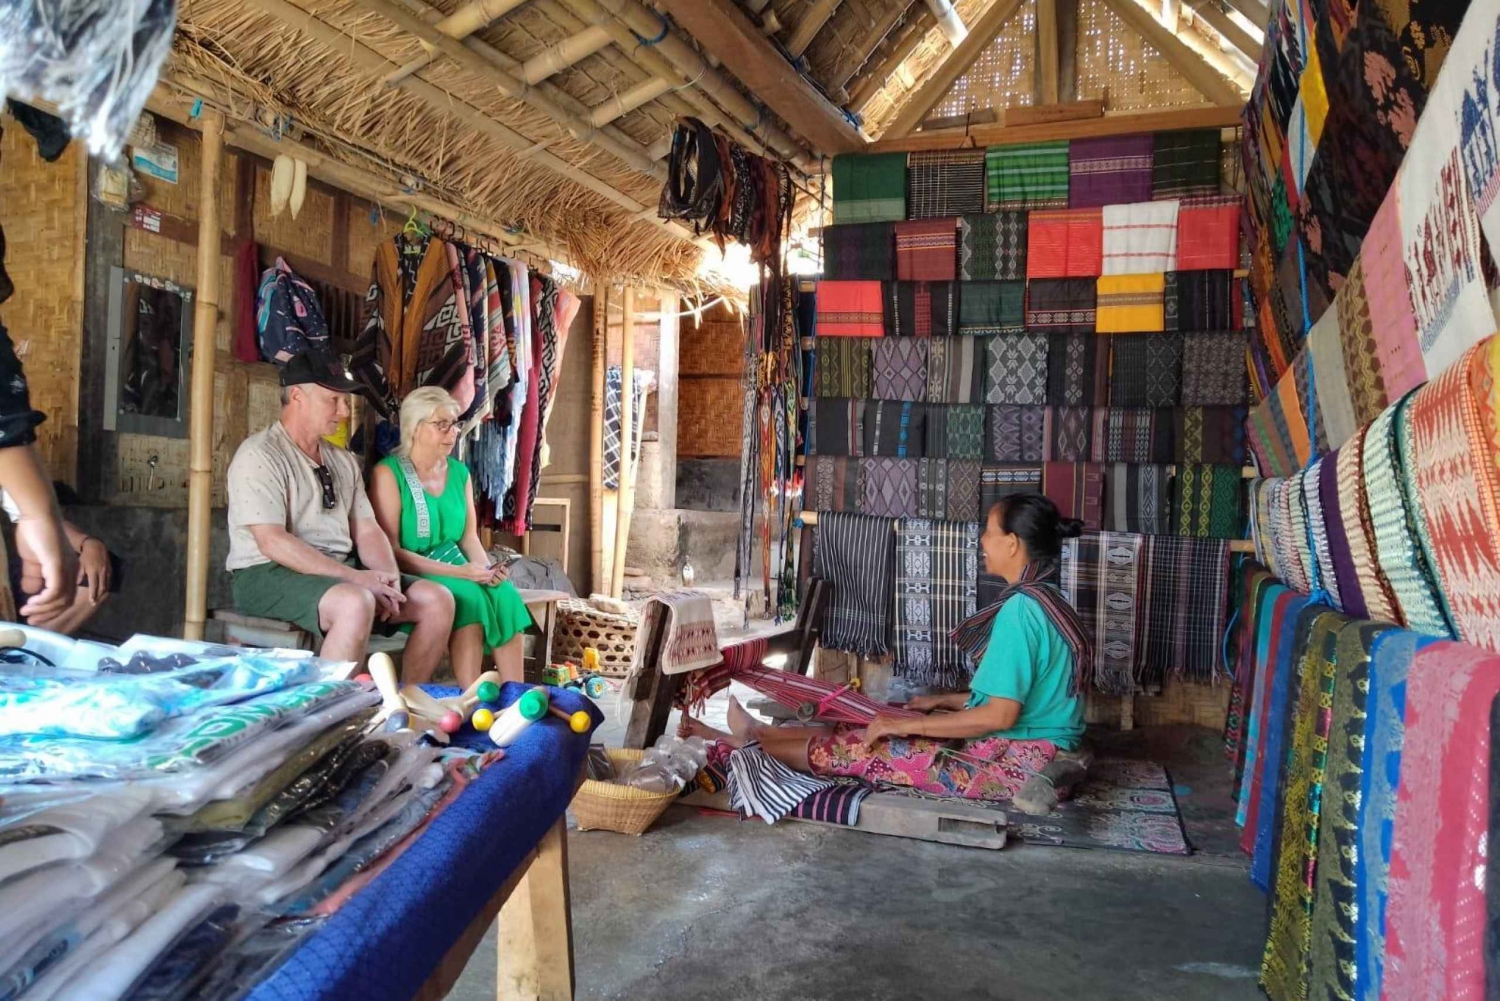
{"points": [[869, 187], [992, 246], [1185, 164], [991, 307], [843, 367], [965, 432], [1026, 176], [1207, 502]]}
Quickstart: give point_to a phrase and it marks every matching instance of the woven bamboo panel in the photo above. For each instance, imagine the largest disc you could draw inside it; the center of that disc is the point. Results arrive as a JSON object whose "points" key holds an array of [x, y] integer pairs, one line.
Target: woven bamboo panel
{"points": [[310, 234], [717, 347], [155, 255], [368, 228], [42, 210], [1003, 74], [181, 199], [709, 413], [1111, 55], [581, 625], [263, 402], [1179, 702]]}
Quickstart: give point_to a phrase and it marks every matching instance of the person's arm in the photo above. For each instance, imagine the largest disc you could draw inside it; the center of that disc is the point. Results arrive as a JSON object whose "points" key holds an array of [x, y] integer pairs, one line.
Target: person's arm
{"points": [[992, 715], [950, 701], [385, 498], [472, 547], [280, 546], [93, 560], [39, 533]]}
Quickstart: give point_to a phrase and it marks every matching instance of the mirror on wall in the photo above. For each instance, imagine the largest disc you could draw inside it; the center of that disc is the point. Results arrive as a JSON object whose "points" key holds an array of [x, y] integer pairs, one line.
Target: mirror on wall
{"points": [[150, 335]]}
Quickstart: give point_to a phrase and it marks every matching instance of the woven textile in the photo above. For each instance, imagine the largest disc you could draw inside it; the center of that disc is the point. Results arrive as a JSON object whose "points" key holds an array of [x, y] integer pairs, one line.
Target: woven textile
{"points": [[1258, 793], [869, 187], [1213, 369], [835, 483], [1396, 541], [850, 309], [1308, 412], [1253, 580], [1070, 434], [1269, 437], [1077, 370], [927, 250], [1000, 481], [991, 307], [1210, 434], [1351, 599], [1125, 434], [1140, 238], [1015, 434], [1109, 171], [1129, 304], [1101, 577], [1361, 354], [1436, 918], [1061, 305], [843, 367], [992, 247], [1208, 233], [1359, 530], [937, 564], [932, 488], [963, 490], [1208, 502], [859, 252], [1455, 429], [1027, 176], [1077, 488], [1184, 164], [1183, 609], [691, 641], [857, 554], [1335, 403], [1145, 370], [835, 426], [955, 370], [1312, 485], [1065, 243], [895, 429], [943, 183], [956, 432], [1137, 498], [1392, 321], [898, 368], [1202, 300], [1016, 369], [612, 418], [920, 309]]}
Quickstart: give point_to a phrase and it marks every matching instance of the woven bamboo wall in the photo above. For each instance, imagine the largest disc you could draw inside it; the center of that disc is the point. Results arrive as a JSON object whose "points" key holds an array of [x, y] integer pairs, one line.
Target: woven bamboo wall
{"points": [[1111, 55], [1004, 73], [1179, 702], [42, 210], [710, 406]]}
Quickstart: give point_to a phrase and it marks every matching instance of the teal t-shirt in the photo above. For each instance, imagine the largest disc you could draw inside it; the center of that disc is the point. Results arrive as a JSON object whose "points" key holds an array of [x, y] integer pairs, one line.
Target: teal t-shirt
{"points": [[1029, 662]]}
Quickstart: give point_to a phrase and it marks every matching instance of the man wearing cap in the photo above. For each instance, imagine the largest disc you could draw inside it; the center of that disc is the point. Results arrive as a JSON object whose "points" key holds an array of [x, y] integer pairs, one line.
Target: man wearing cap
{"points": [[304, 545]]}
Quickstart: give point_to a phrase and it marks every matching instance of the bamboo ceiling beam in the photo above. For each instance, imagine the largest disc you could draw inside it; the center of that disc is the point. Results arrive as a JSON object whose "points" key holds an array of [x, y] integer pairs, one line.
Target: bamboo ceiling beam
{"points": [[1225, 25], [901, 43], [953, 66], [878, 32], [812, 22], [1254, 11], [568, 52], [444, 103], [1047, 52], [460, 24], [1191, 64], [1114, 125], [726, 33], [622, 104]]}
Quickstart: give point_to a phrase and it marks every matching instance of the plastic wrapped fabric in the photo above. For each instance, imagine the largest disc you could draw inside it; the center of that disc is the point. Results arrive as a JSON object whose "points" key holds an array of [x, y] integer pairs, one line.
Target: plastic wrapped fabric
{"points": [[116, 972], [243, 965], [70, 830], [96, 60], [178, 971]]}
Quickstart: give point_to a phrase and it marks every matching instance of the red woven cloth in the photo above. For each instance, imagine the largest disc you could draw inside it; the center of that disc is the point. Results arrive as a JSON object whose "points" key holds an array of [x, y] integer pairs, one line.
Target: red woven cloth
{"points": [[850, 309], [927, 250], [1208, 233], [1065, 243], [1077, 488]]}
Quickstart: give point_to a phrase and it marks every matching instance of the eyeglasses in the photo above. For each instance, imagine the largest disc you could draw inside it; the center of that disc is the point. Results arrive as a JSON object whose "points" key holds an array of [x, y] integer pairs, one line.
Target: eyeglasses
{"points": [[325, 479], [443, 427]]}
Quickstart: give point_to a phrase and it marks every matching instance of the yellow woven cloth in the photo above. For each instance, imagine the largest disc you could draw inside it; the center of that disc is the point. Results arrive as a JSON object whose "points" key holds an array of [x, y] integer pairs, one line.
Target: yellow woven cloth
{"points": [[1130, 304]]}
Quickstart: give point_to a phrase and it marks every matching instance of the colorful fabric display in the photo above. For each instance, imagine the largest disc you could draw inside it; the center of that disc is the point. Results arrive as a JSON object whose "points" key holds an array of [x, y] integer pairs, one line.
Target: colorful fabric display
{"points": [[1140, 238], [1077, 370], [1341, 557], [927, 250], [1210, 434], [1027, 176], [1015, 434], [1213, 369], [1184, 606], [869, 187], [1138, 498], [861, 251], [857, 553], [850, 309], [1359, 529], [1271, 427], [1070, 434], [955, 369], [963, 489], [1077, 488], [1065, 243], [1335, 404], [1208, 233], [920, 309], [991, 308], [1130, 304], [1109, 171], [895, 429], [1207, 502], [835, 483], [1185, 164], [1145, 370], [1016, 369], [1202, 300], [1392, 321], [996, 482], [992, 247], [1125, 434], [943, 183], [843, 367], [836, 426], [955, 432], [937, 564], [891, 487], [898, 367], [1317, 523], [1062, 305], [1100, 576], [1361, 353]]}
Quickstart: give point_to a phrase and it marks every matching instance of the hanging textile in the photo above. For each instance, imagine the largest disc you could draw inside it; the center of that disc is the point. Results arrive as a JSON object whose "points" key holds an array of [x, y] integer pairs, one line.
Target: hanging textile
{"points": [[1202, 300], [920, 309], [857, 554], [890, 487], [1061, 305], [861, 251], [895, 429], [850, 309], [843, 367], [1392, 320], [991, 307], [835, 483], [956, 432], [1213, 369], [1140, 238], [1210, 434], [1027, 176], [612, 416], [1017, 369], [1145, 370], [963, 490], [1207, 502], [1077, 488], [997, 482], [1208, 234], [1070, 434], [1109, 171], [1335, 403], [898, 369], [1015, 434], [1077, 370], [1125, 434], [992, 246], [1185, 164], [927, 250], [1138, 498], [835, 426], [1065, 243], [869, 187], [945, 183], [1101, 578], [1361, 355], [1130, 304], [937, 564], [1184, 607], [955, 369]]}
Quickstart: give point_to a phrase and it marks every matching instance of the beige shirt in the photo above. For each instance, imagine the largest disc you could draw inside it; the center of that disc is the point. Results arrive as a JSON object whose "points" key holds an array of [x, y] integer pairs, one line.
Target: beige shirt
{"points": [[273, 482]]}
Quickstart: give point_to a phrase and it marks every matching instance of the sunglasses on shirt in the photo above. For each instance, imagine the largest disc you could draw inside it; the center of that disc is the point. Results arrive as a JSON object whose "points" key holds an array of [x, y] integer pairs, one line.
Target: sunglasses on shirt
{"points": [[325, 479]]}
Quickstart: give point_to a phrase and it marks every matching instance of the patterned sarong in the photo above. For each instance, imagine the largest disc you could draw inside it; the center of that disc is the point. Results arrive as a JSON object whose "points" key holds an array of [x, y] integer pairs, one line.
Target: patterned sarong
{"points": [[1208, 233], [1101, 577], [857, 554], [937, 565], [1070, 434], [927, 250], [1130, 304], [835, 426], [1026, 176], [850, 309], [987, 308], [1109, 171], [1145, 370], [869, 187], [941, 183], [955, 369], [834, 483], [1128, 434], [1077, 488], [898, 367], [1208, 502], [1140, 238], [843, 367], [1065, 243], [895, 429], [1202, 300], [1138, 498], [1210, 434], [956, 432], [1016, 369], [1077, 370], [1213, 369], [1184, 607], [996, 482], [1061, 305], [1015, 434], [992, 247], [1185, 164], [862, 251], [891, 487]]}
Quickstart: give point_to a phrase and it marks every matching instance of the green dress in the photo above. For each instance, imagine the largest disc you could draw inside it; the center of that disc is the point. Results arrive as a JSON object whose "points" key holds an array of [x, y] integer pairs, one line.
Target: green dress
{"points": [[497, 607]]}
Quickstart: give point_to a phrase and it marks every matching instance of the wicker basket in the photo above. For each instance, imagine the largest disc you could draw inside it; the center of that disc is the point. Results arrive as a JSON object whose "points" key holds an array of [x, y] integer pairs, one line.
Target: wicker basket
{"points": [[612, 806], [581, 625]]}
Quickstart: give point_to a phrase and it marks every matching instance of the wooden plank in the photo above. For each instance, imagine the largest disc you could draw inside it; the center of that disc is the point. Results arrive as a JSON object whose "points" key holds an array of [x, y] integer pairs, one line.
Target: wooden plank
{"points": [[1047, 83], [726, 33], [1225, 25], [646, 686], [959, 59], [1048, 114], [1113, 125], [812, 22], [97, 450], [1191, 64], [1067, 50], [535, 944]]}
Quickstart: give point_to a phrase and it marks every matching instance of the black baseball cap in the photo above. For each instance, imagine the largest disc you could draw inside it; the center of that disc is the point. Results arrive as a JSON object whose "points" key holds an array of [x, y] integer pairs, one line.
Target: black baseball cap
{"points": [[315, 367]]}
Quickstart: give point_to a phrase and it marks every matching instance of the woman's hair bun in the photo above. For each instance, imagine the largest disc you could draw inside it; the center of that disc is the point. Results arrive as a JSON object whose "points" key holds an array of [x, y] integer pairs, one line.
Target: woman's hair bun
{"points": [[1069, 528]]}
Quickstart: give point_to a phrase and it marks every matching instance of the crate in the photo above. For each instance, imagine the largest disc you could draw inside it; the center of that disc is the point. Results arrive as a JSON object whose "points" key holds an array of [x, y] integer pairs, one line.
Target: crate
{"points": [[580, 625]]}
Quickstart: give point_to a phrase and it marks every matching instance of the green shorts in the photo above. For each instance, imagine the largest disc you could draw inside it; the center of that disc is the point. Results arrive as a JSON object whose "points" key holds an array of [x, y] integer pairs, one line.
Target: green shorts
{"points": [[272, 591]]}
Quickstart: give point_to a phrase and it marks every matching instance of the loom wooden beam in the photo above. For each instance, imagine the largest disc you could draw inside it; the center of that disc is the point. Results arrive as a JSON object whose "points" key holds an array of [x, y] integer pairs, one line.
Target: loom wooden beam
{"points": [[726, 33], [925, 98], [870, 42], [812, 22], [1113, 125], [1225, 25], [898, 46], [1047, 81], [1187, 61], [460, 24]]}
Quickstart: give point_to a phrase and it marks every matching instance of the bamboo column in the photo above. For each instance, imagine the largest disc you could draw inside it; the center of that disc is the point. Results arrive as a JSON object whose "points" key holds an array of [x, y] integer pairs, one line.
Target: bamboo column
{"points": [[201, 425], [625, 497], [597, 582]]}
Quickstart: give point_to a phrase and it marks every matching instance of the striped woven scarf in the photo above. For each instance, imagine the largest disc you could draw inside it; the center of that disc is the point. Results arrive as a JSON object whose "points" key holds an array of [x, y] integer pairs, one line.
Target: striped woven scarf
{"points": [[973, 634]]}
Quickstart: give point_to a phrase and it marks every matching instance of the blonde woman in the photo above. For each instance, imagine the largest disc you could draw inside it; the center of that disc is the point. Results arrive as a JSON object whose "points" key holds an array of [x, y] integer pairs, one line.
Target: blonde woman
{"points": [[425, 504]]}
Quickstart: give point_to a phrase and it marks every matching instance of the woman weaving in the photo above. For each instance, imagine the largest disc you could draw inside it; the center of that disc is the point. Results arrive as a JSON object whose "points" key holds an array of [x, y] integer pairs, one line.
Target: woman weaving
{"points": [[423, 501], [1024, 704]]}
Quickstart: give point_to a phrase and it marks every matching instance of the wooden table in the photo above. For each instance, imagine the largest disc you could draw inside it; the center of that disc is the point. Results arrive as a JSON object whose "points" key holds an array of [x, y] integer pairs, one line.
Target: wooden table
{"points": [[543, 608]]}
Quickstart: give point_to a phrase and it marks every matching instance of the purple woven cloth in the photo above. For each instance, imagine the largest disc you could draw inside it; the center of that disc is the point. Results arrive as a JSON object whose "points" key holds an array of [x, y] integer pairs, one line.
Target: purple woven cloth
{"points": [[1109, 171], [1350, 594]]}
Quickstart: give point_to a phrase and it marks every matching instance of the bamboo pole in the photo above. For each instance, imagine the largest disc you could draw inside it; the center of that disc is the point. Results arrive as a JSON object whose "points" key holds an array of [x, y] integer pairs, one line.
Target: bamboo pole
{"points": [[596, 440], [622, 104], [565, 53], [201, 426], [460, 24], [625, 496]]}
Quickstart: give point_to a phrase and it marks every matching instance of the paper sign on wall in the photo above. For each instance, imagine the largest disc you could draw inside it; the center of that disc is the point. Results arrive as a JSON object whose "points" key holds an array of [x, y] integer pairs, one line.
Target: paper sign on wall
{"points": [[158, 161]]}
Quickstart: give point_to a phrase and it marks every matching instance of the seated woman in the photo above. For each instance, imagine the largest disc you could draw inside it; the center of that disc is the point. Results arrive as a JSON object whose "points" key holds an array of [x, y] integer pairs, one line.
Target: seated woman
{"points": [[424, 502], [1024, 704]]}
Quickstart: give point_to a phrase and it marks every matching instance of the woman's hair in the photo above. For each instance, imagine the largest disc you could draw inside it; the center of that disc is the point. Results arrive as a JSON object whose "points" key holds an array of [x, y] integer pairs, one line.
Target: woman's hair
{"points": [[419, 405], [1035, 520]]}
